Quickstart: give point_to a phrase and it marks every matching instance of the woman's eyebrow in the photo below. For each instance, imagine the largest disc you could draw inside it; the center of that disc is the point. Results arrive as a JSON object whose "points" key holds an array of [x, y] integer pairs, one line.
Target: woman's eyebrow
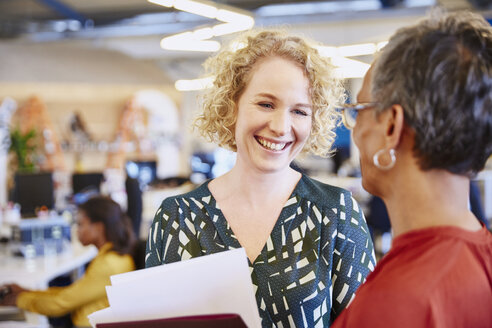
{"points": [[267, 95]]}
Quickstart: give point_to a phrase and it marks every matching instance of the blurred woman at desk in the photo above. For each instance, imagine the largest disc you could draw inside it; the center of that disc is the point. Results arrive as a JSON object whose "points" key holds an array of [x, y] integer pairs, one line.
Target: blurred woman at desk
{"points": [[102, 223], [307, 242]]}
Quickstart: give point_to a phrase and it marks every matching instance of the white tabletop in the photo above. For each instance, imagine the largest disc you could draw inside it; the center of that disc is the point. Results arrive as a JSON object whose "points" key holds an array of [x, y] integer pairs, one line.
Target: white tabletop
{"points": [[35, 273]]}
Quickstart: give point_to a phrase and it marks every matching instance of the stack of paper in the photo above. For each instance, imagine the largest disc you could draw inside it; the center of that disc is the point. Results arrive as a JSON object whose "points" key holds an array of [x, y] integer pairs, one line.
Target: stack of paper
{"points": [[211, 284]]}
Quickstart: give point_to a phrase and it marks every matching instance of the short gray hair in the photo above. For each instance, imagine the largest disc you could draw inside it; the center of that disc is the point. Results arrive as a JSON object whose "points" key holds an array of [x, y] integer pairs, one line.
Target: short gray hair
{"points": [[440, 72]]}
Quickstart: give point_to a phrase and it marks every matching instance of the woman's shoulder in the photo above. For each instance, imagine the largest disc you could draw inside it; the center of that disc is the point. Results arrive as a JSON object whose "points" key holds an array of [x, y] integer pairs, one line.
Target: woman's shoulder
{"points": [[119, 259], [110, 260], [200, 192]]}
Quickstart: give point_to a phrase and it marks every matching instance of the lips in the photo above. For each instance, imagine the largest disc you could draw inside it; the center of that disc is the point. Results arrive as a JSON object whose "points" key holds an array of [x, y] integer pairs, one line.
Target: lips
{"points": [[275, 146]]}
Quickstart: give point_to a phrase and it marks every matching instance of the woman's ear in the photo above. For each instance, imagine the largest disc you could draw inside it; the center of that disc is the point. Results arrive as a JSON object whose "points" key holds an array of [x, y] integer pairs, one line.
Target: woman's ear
{"points": [[395, 121]]}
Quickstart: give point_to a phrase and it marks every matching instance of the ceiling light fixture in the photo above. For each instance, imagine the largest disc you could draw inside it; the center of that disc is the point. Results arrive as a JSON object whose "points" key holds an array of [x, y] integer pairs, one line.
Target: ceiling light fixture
{"points": [[197, 40], [165, 3], [189, 41], [353, 50], [193, 85], [349, 68], [357, 49], [345, 68], [318, 7], [381, 45], [197, 8]]}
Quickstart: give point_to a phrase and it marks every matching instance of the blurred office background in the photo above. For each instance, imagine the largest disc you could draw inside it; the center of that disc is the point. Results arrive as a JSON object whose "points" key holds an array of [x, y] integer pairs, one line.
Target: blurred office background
{"points": [[99, 96]]}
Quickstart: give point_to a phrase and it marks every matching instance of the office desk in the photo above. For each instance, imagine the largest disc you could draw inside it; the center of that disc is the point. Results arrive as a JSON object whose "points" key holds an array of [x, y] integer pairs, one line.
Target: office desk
{"points": [[37, 272]]}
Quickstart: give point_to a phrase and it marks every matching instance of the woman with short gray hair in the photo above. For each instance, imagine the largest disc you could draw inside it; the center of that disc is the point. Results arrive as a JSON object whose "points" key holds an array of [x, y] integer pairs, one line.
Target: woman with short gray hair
{"points": [[424, 127]]}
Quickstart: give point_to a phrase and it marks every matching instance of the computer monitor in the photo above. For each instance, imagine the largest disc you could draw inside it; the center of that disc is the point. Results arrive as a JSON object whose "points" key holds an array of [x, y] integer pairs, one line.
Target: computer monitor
{"points": [[33, 191], [144, 171], [82, 182]]}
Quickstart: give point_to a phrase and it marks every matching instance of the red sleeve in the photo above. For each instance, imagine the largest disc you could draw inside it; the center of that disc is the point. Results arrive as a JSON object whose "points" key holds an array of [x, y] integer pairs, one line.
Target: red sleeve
{"points": [[384, 309]]}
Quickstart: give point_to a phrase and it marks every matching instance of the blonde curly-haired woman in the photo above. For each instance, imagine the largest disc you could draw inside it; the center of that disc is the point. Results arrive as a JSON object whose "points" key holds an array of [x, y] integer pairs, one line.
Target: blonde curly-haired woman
{"points": [[307, 242]]}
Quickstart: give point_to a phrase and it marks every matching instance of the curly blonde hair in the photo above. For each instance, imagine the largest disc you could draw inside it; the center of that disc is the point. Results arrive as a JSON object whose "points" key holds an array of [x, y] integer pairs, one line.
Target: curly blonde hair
{"points": [[231, 70]]}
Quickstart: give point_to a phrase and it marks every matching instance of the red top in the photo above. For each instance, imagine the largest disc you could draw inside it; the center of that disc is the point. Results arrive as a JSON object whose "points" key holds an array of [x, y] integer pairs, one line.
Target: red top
{"points": [[434, 277]]}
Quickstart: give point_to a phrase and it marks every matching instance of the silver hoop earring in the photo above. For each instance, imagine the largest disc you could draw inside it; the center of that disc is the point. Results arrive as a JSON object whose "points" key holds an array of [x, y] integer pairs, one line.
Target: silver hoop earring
{"points": [[392, 155]]}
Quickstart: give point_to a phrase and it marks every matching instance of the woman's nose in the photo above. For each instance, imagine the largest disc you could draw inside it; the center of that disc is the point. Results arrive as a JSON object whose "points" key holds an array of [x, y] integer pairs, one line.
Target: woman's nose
{"points": [[280, 122]]}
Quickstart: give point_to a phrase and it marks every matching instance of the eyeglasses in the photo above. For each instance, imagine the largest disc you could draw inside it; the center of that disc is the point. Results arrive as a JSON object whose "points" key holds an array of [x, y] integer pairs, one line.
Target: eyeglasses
{"points": [[350, 111]]}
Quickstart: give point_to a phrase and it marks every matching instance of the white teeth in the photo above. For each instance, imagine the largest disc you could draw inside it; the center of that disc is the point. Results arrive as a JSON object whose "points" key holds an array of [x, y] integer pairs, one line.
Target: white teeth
{"points": [[271, 145]]}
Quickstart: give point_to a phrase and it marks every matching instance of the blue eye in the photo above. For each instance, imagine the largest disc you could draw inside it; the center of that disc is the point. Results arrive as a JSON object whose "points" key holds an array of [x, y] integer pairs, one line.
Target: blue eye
{"points": [[266, 105], [353, 113], [351, 116], [300, 112]]}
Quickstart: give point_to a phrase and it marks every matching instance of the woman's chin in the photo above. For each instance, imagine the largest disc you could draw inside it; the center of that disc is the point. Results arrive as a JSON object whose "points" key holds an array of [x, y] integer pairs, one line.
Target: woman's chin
{"points": [[370, 186]]}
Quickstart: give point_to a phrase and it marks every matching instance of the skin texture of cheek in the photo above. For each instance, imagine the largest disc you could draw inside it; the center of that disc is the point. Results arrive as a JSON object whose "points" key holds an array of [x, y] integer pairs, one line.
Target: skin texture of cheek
{"points": [[86, 234], [366, 142], [81, 238]]}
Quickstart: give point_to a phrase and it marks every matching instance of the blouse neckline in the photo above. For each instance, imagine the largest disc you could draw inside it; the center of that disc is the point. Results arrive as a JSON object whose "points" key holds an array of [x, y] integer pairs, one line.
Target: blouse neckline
{"points": [[222, 225]]}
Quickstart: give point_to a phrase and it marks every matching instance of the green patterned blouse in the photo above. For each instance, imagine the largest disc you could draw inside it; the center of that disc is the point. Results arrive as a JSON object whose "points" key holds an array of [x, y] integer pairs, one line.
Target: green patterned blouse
{"points": [[317, 255]]}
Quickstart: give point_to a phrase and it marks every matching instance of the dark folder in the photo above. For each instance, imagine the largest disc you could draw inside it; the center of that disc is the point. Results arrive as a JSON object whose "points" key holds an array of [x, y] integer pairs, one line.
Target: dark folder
{"points": [[198, 321]]}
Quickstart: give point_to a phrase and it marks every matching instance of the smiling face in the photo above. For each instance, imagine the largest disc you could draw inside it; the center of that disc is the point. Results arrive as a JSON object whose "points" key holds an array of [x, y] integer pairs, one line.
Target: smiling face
{"points": [[274, 115]]}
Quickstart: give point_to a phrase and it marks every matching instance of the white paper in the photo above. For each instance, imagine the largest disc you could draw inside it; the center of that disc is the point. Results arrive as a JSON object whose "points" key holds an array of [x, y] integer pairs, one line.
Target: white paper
{"points": [[211, 284], [101, 316]]}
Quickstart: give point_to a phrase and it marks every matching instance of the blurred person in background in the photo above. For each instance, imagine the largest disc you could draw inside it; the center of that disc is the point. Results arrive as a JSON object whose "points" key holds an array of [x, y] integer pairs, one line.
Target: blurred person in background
{"points": [[101, 223], [308, 245], [424, 128]]}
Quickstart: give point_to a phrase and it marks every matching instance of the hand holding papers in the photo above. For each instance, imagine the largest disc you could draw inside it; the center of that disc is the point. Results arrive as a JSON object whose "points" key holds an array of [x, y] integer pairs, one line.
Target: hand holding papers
{"points": [[211, 284]]}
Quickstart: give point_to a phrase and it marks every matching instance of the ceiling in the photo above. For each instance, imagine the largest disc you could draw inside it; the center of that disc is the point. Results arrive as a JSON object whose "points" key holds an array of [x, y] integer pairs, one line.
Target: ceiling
{"points": [[92, 18], [135, 27], [16, 13]]}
